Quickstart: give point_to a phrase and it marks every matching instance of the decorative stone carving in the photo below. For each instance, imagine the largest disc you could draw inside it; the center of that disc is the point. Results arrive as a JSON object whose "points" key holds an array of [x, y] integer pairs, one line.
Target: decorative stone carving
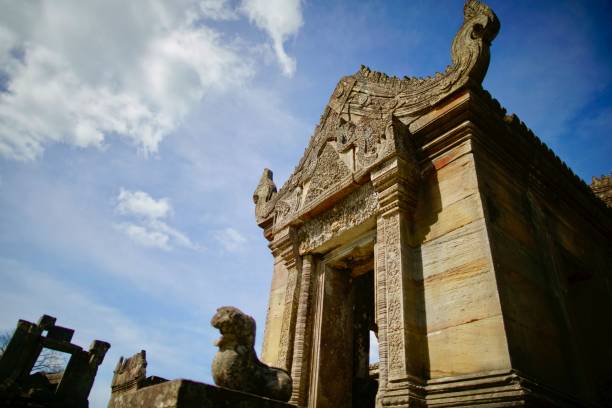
{"points": [[393, 270], [302, 341], [353, 210], [266, 189], [329, 170], [602, 187], [132, 388], [236, 365], [130, 373], [365, 109]]}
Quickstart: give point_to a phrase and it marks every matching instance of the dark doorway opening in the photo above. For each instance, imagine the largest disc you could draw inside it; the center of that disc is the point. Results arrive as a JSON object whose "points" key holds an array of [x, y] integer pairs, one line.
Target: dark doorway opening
{"points": [[345, 319], [365, 384]]}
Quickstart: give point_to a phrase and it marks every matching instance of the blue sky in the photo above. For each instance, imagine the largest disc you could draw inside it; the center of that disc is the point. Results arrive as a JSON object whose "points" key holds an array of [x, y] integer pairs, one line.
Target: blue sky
{"points": [[132, 138]]}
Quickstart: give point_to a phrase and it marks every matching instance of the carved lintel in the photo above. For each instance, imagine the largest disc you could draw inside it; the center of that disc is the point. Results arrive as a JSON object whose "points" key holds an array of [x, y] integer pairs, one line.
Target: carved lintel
{"points": [[355, 209]]}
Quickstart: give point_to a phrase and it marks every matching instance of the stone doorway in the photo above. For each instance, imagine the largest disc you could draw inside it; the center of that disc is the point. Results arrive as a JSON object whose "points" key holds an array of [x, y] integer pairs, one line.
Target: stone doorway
{"points": [[344, 318]]}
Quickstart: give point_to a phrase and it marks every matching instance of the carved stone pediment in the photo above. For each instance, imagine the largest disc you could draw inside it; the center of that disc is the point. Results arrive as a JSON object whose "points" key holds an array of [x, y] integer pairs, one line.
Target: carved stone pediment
{"points": [[365, 122], [329, 169]]}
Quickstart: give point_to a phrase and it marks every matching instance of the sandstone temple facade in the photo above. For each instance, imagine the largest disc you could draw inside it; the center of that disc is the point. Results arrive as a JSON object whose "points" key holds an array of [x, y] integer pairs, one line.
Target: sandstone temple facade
{"points": [[423, 213]]}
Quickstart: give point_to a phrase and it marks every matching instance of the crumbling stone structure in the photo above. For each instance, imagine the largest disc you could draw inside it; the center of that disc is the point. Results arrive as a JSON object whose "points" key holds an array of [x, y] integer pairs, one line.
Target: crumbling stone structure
{"points": [[602, 187], [67, 389], [132, 388], [421, 212], [131, 374]]}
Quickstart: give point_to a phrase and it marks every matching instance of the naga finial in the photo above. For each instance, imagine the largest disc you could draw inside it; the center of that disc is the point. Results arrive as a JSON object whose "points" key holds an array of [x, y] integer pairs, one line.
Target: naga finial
{"points": [[470, 49], [264, 192]]}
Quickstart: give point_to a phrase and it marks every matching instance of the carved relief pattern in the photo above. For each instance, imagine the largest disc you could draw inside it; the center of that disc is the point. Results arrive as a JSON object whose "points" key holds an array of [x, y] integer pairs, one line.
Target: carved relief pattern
{"points": [[381, 304], [301, 353], [288, 206], [329, 170], [351, 211], [395, 340], [395, 324], [368, 137], [370, 100]]}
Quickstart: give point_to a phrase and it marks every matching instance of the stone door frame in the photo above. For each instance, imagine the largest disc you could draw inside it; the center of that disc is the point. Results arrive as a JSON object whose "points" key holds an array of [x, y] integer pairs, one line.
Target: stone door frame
{"points": [[320, 312]]}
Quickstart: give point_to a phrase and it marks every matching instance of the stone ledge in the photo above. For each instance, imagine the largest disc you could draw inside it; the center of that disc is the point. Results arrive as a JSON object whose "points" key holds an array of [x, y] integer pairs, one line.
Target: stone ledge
{"points": [[191, 394], [499, 388]]}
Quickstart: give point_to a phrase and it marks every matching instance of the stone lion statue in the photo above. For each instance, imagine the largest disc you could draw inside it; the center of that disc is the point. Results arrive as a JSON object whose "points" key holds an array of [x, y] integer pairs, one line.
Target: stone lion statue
{"points": [[236, 365]]}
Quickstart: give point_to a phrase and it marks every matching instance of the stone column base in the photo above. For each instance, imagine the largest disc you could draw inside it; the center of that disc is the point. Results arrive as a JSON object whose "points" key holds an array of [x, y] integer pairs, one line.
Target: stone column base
{"points": [[489, 389]]}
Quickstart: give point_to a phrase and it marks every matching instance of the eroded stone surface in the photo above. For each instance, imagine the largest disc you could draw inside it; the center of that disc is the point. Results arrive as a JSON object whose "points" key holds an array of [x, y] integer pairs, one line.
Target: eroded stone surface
{"points": [[191, 394], [602, 187], [236, 365], [68, 388]]}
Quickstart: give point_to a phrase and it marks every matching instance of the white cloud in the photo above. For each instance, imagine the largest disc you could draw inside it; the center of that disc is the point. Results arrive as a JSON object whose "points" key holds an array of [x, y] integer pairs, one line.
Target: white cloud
{"points": [[280, 19], [147, 229], [230, 239], [142, 204], [144, 236], [76, 73], [177, 236]]}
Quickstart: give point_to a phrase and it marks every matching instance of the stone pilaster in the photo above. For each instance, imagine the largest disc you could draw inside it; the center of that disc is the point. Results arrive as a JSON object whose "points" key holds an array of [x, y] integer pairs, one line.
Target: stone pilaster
{"points": [[303, 333], [285, 246], [395, 183]]}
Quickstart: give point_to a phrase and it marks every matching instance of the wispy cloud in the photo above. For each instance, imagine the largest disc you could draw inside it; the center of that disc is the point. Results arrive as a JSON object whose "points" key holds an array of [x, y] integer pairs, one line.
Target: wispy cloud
{"points": [[219, 10], [280, 19], [147, 227], [230, 239]]}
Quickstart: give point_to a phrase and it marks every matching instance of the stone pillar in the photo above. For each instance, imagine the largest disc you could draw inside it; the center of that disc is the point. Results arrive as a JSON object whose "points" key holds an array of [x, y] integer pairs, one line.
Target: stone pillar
{"points": [[21, 353], [301, 346], [284, 246], [80, 373], [398, 295]]}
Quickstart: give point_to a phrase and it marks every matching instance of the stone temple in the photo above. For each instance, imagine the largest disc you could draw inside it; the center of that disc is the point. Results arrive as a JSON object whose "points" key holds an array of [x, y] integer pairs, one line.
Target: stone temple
{"points": [[420, 215], [422, 212]]}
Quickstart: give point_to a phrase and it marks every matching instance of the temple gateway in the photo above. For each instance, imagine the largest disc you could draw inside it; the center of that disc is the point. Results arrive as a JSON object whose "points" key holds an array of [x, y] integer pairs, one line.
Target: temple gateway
{"points": [[421, 218], [423, 214]]}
